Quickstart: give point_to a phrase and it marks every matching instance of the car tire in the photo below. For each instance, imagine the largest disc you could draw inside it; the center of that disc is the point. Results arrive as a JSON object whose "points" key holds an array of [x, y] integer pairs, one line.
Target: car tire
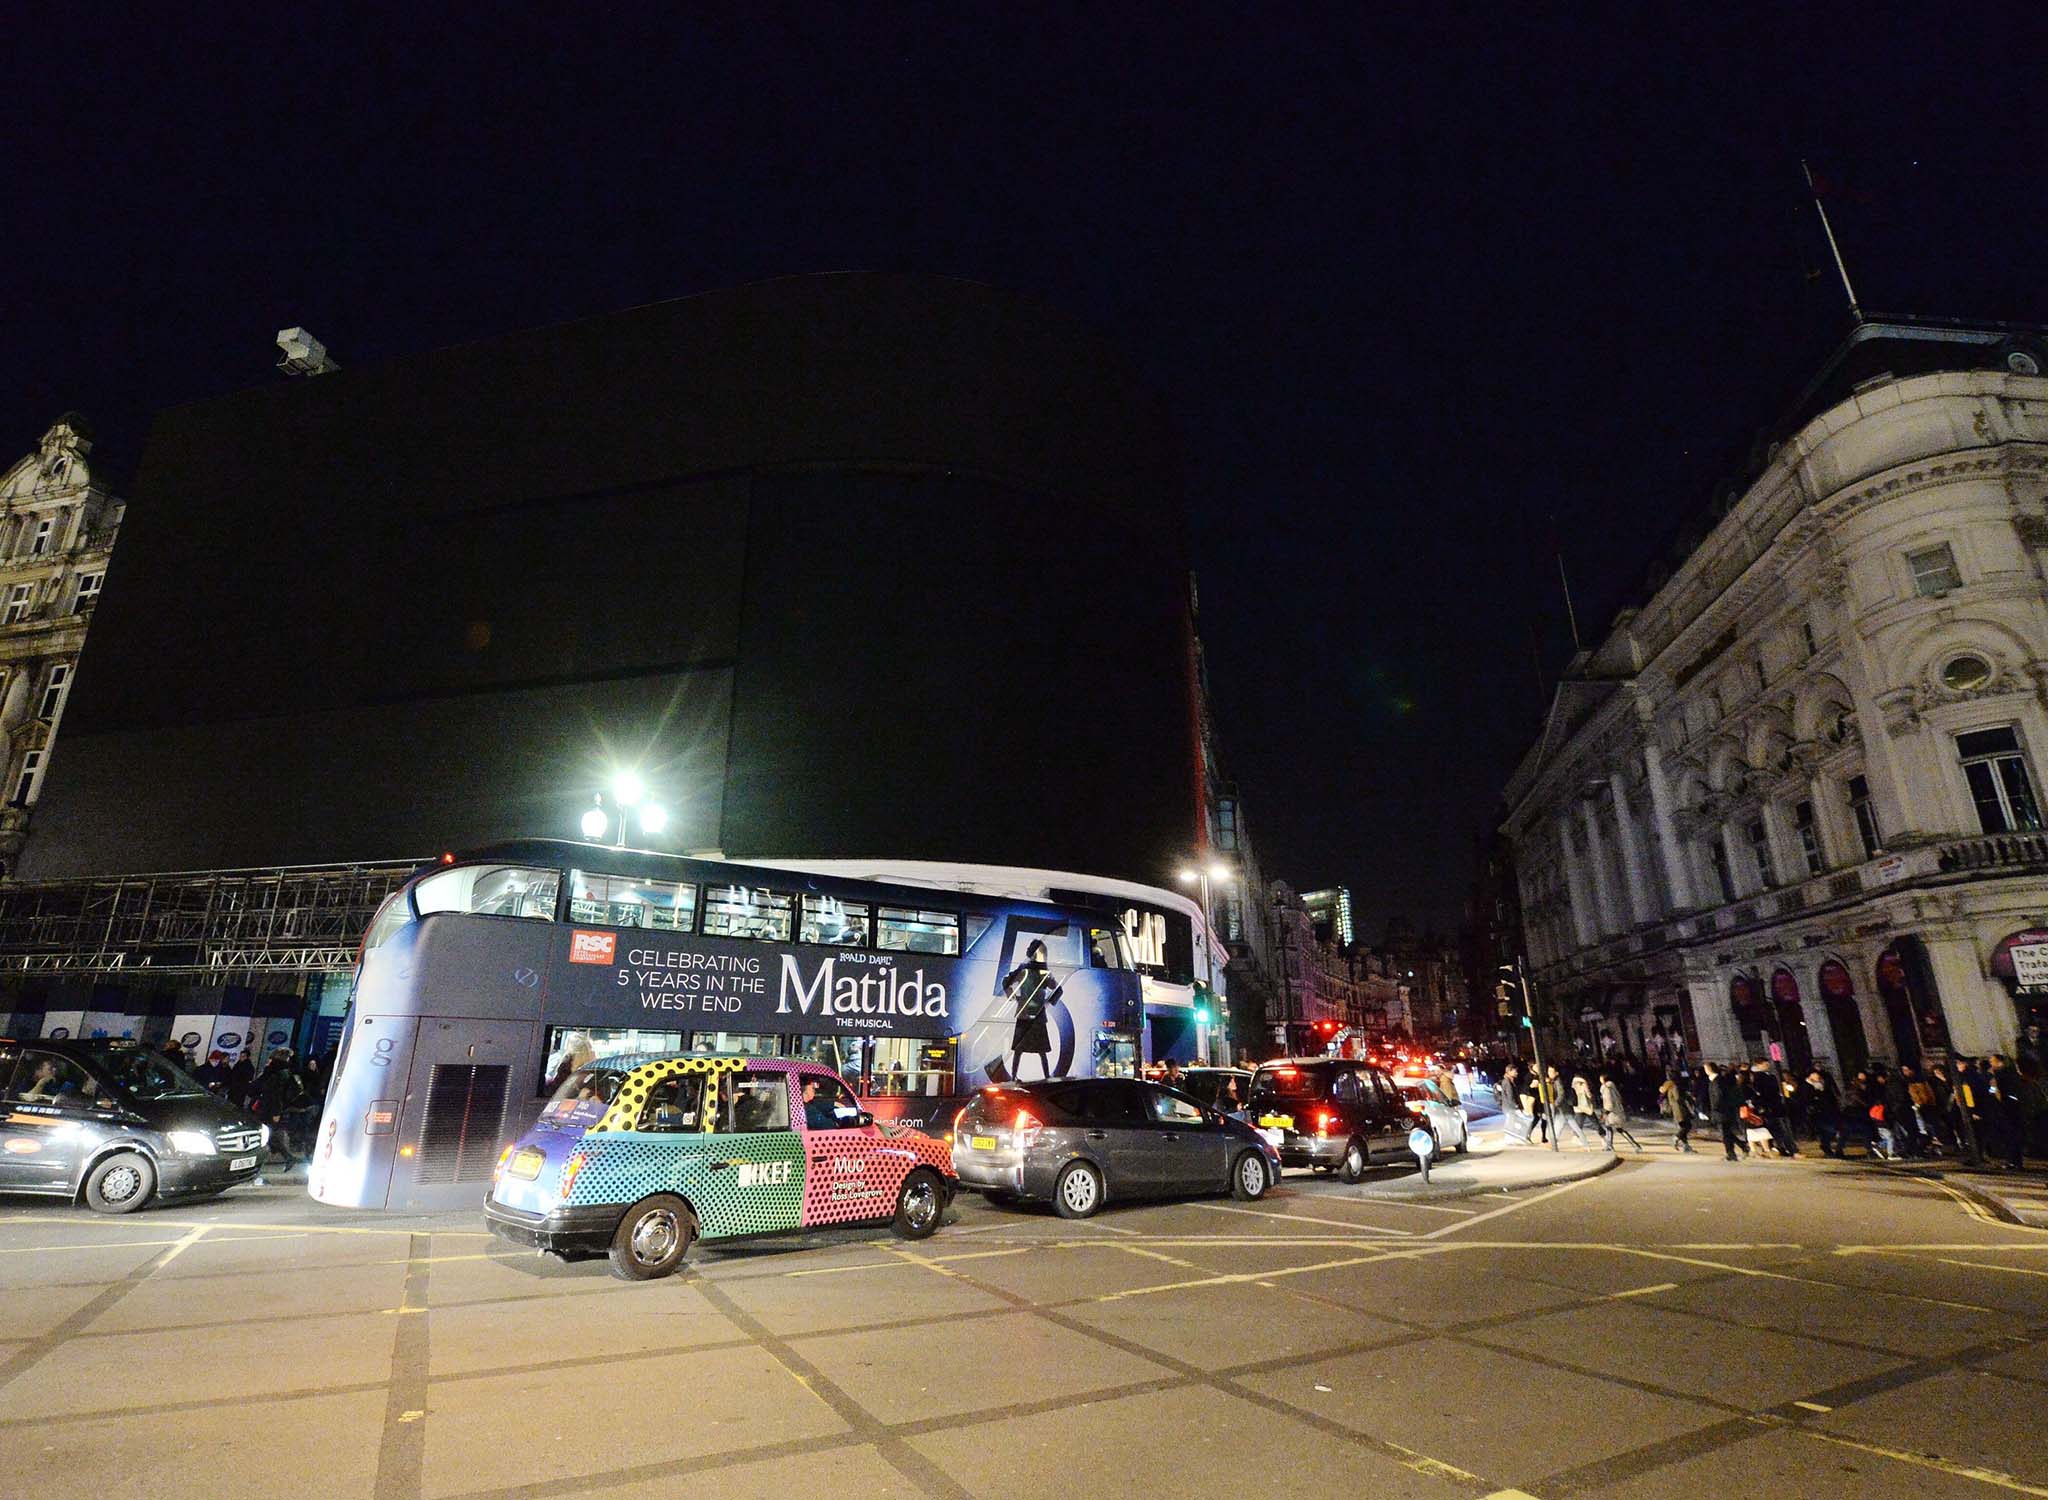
{"points": [[1078, 1192], [652, 1238], [1356, 1160], [1249, 1178], [120, 1184], [920, 1205]]}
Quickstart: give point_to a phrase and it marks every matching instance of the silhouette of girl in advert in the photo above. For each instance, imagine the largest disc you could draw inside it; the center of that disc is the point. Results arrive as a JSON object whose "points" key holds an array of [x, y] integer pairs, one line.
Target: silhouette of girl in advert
{"points": [[1032, 989]]}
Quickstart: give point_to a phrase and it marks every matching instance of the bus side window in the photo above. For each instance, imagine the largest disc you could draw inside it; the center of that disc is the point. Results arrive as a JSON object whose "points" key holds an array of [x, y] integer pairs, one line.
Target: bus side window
{"points": [[1104, 950]]}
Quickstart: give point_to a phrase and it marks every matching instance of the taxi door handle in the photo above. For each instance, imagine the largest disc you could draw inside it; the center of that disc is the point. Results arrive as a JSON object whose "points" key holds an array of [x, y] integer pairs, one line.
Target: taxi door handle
{"points": [[717, 1166], [1098, 1135]]}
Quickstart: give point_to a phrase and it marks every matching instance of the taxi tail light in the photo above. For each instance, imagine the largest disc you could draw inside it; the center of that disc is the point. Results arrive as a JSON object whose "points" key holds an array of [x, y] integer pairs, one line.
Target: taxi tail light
{"points": [[1025, 1130], [1323, 1121], [570, 1170]]}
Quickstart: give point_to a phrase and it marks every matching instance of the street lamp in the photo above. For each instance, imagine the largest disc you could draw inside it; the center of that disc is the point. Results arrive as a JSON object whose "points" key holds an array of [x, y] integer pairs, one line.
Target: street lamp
{"points": [[628, 792]]}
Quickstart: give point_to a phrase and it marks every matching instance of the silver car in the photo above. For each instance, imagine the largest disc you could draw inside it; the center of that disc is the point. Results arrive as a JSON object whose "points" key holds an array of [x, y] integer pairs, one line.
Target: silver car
{"points": [[1078, 1143]]}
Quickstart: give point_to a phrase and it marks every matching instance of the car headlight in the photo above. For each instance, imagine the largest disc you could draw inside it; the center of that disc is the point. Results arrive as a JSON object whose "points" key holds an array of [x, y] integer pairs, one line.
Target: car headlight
{"points": [[266, 1136], [191, 1142]]}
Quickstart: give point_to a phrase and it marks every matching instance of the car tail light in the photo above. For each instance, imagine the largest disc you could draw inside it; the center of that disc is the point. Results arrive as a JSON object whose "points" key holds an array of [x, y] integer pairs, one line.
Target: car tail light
{"points": [[1323, 1121], [499, 1170], [570, 1169], [1025, 1130]]}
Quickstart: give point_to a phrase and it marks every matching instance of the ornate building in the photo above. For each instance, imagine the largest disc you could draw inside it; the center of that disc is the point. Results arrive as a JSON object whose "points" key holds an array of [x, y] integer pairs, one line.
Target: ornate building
{"points": [[56, 533], [1790, 806]]}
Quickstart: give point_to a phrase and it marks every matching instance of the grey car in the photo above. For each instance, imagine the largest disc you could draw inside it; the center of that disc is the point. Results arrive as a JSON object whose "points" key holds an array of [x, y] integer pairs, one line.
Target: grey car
{"points": [[1078, 1143]]}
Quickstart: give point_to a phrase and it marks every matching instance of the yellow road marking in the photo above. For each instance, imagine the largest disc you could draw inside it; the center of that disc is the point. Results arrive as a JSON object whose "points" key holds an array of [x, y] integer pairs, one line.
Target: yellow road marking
{"points": [[1644, 1291], [1812, 1406], [1237, 1278], [1171, 1260], [83, 1245], [1926, 1461], [1921, 1249], [904, 1257], [183, 1245], [1507, 1208], [1259, 1213], [1509, 1495], [1985, 1265], [1435, 1468]]}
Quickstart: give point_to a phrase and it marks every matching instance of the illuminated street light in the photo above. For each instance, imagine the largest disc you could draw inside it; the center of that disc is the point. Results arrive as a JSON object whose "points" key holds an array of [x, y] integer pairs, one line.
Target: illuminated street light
{"points": [[1189, 877], [653, 818], [627, 788], [594, 823]]}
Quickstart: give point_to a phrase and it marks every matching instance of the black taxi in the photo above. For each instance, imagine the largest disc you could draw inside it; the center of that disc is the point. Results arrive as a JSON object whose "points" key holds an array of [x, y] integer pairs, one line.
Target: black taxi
{"points": [[1331, 1113], [117, 1125]]}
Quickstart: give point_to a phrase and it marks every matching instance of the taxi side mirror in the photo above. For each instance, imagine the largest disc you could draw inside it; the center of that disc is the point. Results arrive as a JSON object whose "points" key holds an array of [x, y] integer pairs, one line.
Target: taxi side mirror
{"points": [[863, 1120]]}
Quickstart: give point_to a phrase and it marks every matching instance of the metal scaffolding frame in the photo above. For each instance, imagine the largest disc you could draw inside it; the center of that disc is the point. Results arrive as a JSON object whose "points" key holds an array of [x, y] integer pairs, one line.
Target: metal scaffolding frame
{"points": [[223, 924]]}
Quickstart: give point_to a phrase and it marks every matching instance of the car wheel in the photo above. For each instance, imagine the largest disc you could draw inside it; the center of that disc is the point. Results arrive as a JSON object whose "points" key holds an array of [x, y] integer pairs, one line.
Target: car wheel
{"points": [[120, 1184], [1355, 1161], [1248, 1179], [652, 1239], [1078, 1193], [920, 1204]]}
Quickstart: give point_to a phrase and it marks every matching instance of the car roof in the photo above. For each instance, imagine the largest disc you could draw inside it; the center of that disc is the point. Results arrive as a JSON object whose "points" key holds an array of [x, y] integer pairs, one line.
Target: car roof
{"points": [[625, 1062]]}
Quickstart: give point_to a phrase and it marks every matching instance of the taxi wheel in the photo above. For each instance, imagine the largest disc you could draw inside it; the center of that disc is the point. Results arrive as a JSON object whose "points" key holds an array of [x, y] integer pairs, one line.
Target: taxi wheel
{"points": [[1078, 1193], [920, 1204], [1249, 1179], [120, 1184], [652, 1239], [1355, 1162]]}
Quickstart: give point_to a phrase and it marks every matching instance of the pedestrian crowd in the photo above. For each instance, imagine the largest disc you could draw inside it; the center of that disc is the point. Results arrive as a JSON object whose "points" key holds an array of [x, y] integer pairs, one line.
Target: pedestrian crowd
{"points": [[284, 1092], [1981, 1111]]}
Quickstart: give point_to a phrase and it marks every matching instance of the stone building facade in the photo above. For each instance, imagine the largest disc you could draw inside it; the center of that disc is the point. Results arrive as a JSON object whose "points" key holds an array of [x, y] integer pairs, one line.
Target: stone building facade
{"points": [[1791, 805], [57, 530]]}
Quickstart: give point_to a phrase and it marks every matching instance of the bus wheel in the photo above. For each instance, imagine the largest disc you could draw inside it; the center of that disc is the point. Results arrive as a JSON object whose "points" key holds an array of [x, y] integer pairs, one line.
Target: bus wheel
{"points": [[920, 1204], [652, 1239], [120, 1184]]}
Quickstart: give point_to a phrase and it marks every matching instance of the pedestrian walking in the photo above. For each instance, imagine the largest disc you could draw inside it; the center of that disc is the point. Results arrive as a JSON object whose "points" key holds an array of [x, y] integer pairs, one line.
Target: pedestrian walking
{"points": [[1823, 1110], [2006, 1110], [1677, 1108], [1584, 1109], [278, 1094], [1726, 1090], [1614, 1113], [1769, 1099]]}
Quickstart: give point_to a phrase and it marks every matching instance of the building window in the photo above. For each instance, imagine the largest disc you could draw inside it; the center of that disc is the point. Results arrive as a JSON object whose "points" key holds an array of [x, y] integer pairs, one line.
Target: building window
{"points": [[1934, 571], [53, 692], [1966, 674], [1999, 784], [1866, 816], [17, 605], [88, 593], [39, 538], [1760, 846], [25, 789], [1809, 838], [1724, 876]]}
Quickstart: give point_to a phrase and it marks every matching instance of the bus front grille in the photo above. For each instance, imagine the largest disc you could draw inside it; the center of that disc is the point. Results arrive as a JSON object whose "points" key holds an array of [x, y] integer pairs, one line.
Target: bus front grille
{"points": [[465, 1107]]}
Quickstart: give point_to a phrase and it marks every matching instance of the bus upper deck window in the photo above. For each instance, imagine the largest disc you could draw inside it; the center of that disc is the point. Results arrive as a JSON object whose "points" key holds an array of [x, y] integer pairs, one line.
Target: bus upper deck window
{"points": [[490, 890], [906, 930], [621, 901], [1106, 950], [735, 911], [391, 916], [827, 919]]}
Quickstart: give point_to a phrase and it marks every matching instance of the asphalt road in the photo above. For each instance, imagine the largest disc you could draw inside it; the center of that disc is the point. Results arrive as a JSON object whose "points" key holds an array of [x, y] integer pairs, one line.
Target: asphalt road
{"points": [[1678, 1327]]}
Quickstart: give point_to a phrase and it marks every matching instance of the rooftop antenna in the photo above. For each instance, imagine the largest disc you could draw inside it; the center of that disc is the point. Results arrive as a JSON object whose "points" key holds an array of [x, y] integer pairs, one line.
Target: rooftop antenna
{"points": [[1855, 311]]}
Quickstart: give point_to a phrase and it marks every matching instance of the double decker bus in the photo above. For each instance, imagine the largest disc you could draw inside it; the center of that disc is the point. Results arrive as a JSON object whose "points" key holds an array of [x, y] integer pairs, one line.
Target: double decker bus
{"points": [[491, 976]]}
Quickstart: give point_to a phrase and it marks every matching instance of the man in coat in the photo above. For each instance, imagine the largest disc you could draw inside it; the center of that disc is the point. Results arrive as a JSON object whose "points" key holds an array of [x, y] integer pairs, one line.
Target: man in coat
{"points": [[1725, 1087]]}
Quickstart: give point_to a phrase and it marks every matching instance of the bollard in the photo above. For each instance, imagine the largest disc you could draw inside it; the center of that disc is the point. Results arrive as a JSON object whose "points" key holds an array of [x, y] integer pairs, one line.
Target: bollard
{"points": [[1423, 1144]]}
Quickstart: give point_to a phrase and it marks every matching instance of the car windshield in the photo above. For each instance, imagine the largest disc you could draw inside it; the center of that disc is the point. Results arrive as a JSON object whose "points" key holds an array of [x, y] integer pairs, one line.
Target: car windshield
{"points": [[142, 1074], [588, 1083]]}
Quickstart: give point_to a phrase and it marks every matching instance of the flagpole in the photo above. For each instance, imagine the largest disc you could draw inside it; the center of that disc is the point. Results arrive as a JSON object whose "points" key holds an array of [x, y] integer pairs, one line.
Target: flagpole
{"points": [[1828, 229]]}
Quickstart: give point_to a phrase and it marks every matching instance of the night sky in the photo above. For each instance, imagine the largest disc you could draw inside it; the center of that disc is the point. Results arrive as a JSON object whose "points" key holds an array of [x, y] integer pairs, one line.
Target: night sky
{"points": [[1425, 287]]}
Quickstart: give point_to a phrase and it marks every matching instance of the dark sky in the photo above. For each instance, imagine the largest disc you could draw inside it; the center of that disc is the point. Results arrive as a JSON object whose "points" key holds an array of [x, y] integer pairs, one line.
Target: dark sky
{"points": [[1414, 280]]}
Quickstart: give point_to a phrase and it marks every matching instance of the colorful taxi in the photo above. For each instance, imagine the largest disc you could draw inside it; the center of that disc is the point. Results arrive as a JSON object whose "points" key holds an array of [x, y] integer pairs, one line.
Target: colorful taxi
{"points": [[637, 1157]]}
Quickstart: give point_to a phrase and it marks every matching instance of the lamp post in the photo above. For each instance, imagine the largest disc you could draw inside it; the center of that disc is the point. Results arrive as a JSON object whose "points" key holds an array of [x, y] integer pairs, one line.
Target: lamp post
{"points": [[628, 792], [1200, 875]]}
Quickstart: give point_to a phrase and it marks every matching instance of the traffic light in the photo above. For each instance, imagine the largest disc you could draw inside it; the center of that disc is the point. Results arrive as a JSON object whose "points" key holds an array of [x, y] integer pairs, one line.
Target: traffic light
{"points": [[1202, 1015]]}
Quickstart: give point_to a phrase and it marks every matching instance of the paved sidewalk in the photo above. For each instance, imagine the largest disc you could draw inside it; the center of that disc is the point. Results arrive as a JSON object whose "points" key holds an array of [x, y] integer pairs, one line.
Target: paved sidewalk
{"points": [[1494, 1165], [2018, 1197]]}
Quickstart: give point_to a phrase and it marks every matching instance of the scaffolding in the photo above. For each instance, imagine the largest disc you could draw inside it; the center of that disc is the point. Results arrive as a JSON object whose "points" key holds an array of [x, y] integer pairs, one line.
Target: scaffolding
{"points": [[228, 925]]}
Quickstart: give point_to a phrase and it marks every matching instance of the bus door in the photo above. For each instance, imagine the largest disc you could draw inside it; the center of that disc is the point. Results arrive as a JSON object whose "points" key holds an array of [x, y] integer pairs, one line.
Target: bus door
{"points": [[465, 1088]]}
